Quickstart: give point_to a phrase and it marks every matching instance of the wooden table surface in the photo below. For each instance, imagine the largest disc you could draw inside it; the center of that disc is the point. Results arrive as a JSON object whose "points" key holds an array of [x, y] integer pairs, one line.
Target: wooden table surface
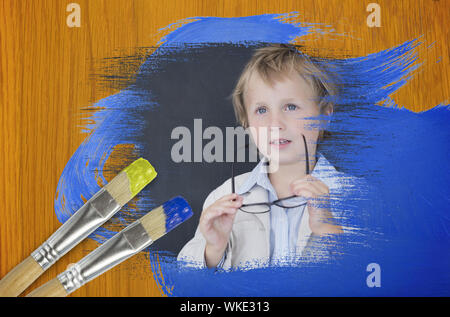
{"points": [[46, 75]]}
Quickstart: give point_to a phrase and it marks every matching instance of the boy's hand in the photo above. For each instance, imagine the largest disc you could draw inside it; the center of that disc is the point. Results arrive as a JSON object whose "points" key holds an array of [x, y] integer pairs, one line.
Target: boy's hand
{"points": [[316, 193], [216, 222]]}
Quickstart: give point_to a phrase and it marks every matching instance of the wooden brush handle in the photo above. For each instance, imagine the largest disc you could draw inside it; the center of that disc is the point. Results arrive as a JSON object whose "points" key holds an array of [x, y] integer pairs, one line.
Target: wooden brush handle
{"points": [[52, 288], [20, 277]]}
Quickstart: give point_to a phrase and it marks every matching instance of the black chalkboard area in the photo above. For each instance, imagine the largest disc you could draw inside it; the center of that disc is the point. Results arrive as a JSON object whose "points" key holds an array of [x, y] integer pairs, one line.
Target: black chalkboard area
{"points": [[185, 84]]}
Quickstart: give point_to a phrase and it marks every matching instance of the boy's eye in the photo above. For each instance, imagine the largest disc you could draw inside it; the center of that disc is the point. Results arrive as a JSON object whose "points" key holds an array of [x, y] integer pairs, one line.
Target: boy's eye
{"points": [[261, 110], [291, 107]]}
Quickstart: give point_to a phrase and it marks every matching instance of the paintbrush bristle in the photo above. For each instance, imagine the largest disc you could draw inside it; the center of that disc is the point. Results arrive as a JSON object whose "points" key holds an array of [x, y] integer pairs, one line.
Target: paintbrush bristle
{"points": [[119, 188], [163, 219], [130, 181]]}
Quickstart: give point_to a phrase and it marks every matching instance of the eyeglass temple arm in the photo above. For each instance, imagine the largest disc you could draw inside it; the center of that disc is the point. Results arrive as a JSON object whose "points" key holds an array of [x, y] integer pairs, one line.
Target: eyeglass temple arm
{"points": [[232, 178], [307, 155]]}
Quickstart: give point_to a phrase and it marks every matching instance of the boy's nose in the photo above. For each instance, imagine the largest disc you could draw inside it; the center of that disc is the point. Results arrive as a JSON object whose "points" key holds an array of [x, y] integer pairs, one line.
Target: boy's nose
{"points": [[277, 123]]}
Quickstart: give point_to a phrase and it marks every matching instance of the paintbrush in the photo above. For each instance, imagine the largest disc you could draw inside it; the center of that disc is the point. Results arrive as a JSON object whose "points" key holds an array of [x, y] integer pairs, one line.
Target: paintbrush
{"points": [[95, 212], [128, 242]]}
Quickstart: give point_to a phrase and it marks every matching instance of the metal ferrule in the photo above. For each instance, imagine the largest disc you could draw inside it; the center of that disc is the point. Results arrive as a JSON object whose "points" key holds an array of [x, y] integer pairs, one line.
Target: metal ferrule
{"points": [[123, 245], [95, 212]]}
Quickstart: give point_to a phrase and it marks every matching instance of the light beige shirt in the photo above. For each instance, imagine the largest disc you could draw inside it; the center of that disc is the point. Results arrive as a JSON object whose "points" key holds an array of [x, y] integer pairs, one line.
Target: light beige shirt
{"points": [[249, 244]]}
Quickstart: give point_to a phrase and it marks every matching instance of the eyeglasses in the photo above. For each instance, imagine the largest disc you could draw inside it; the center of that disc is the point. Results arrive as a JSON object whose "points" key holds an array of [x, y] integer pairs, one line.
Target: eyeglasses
{"points": [[264, 207]]}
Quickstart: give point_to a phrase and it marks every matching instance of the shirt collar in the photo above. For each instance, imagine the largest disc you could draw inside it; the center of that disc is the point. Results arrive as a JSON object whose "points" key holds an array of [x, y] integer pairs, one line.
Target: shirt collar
{"points": [[258, 176], [323, 171]]}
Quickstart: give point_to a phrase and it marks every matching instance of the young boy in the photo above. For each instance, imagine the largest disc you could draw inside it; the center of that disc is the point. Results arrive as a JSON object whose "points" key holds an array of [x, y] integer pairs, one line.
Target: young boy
{"points": [[279, 91]]}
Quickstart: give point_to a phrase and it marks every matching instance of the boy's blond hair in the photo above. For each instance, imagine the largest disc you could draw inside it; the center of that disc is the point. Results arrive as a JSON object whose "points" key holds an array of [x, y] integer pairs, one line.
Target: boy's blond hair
{"points": [[279, 59]]}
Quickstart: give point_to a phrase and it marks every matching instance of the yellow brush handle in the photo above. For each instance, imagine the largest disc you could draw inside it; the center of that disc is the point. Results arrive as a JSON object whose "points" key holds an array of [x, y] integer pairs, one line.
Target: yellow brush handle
{"points": [[20, 277], [52, 288]]}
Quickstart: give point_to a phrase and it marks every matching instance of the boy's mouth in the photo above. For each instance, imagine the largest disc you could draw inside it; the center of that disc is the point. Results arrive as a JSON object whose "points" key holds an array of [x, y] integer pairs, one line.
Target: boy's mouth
{"points": [[280, 142]]}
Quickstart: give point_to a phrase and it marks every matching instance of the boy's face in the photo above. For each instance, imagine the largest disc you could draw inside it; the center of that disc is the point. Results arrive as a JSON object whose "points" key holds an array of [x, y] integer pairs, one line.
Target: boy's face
{"points": [[276, 117]]}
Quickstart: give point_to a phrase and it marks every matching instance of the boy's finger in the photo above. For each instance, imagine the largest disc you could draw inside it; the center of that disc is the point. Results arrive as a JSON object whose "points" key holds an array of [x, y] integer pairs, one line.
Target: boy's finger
{"points": [[304, 192], [320, 188], [307, 179], [217, 212], [314, 187], [233, 203], [302, 186], [229, 197]]}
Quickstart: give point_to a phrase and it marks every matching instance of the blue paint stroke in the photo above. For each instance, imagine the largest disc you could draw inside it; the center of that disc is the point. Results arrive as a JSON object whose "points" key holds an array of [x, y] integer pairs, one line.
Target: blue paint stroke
{"points": [[176, 210], [402, 154]]}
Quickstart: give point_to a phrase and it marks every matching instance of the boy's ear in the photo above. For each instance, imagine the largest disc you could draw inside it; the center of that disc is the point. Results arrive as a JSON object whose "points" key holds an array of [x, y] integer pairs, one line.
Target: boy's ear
{"points": [[328, 110]]}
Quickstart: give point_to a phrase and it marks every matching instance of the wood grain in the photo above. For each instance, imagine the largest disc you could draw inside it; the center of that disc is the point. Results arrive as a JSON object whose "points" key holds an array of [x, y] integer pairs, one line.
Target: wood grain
{"points": [[46, 80], [20, 277]]}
